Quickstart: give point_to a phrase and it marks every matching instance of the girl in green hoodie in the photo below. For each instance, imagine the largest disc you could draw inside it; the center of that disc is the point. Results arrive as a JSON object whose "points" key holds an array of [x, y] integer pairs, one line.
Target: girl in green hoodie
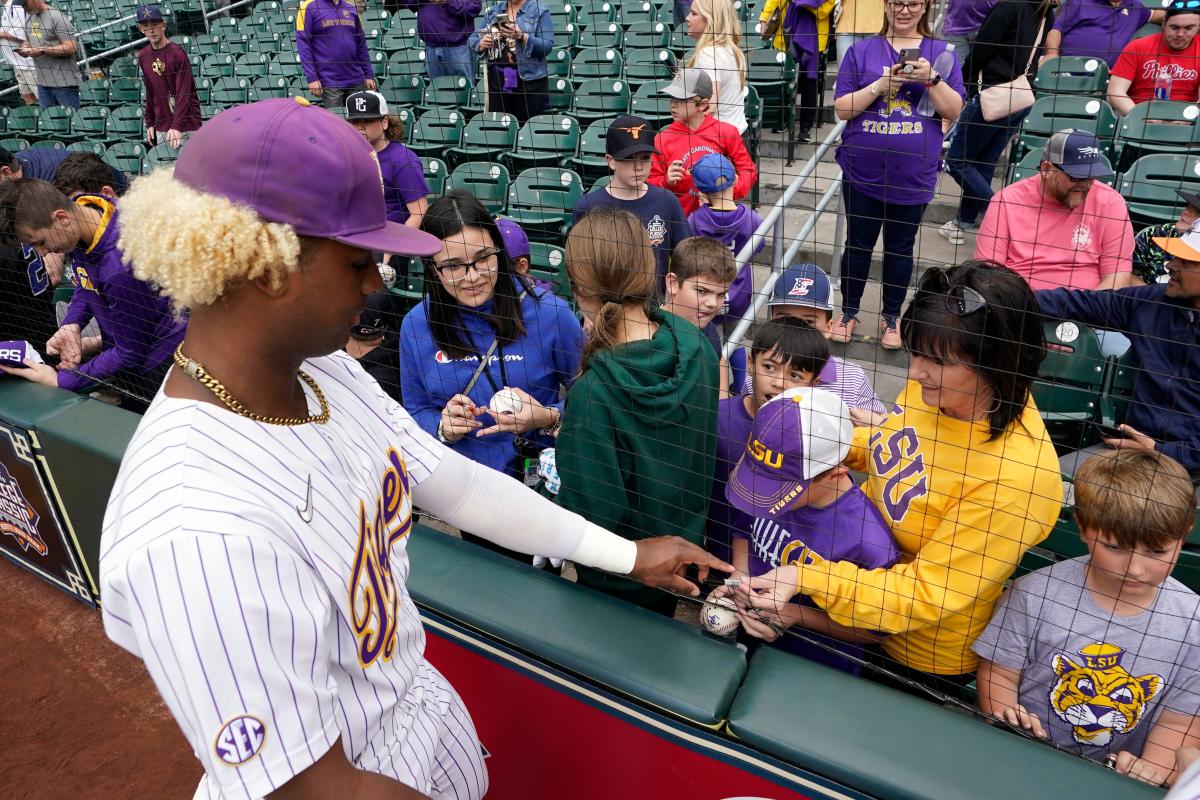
{"points": [[636, 449]]}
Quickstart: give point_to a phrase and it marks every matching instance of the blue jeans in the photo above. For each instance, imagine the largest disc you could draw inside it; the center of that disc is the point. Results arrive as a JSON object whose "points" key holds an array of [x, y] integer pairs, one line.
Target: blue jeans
{"points": [[441, 61], [865, 217], [51, 96], [975, 147]]}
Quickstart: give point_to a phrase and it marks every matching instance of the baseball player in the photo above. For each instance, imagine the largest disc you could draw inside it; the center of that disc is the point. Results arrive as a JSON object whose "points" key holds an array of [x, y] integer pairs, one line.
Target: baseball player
{"points": [[254, 548]]}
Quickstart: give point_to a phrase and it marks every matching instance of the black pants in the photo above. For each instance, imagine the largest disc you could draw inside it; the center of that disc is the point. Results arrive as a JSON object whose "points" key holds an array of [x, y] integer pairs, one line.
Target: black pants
{"points": [[809, 102], [528, 99]]}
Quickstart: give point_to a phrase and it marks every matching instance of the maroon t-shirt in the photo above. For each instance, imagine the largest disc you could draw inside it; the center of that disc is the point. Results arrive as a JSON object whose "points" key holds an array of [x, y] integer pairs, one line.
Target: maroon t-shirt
{"points": [[171, 100]]}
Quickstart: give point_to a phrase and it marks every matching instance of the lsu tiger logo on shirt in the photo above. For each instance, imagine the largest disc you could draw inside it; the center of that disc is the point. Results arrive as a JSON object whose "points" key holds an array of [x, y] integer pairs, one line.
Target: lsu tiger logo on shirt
{"points": [[1097, 696], [83, 280], [897, 460]]}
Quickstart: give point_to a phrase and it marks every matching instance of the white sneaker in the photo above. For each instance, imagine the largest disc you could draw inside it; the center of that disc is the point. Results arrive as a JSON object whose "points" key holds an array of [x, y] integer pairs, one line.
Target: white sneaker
{"points": [[953, 233]]}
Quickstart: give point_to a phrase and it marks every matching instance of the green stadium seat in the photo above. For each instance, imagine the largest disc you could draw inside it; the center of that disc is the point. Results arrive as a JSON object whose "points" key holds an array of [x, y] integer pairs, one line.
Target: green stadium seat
{"points": [[448, 91], [93, 93], [405, 22], [600, 14], [203, 89], [645, 36], [14, 145], [1158, 126], [126, 123], [597, 62], [489, 183], [89, 123], [560, 94], [773, 75], [436, 130], [680, 44], [646, 66], [396, 41], [485, 138], [436, 174], [270, 86], [649, 102], [544, 140], [218, 65], [406, 63], [559, 62], [602, 36], [205, 44], [549, 263], [1119, 380], [161, 155], [55, 123], [252, 65], [96, 148], [590, 162], [285, 65], [22, 121], [1072, 75], [124, 90], [48, 144], [410, 281], [643, 13], [375, 18], [1149, 186], [599, 98], [541, 200], [1069, 384], [1052, 113], [403, 90], [124, 67], [127, 156], [561, 16], [230, 91]]}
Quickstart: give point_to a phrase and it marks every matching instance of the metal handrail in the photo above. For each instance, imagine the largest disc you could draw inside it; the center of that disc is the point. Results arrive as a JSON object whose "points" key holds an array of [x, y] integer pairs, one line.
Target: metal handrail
{"points": [[773, 221]]}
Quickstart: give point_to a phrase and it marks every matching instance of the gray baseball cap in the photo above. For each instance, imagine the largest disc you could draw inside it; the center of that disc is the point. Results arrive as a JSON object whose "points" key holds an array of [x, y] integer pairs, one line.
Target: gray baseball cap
{"points": [[688, 83]]}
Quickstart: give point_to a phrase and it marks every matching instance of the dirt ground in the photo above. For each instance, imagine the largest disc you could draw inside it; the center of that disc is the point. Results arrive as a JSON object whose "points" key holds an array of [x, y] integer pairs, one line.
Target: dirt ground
{"points": [[79, 717]]}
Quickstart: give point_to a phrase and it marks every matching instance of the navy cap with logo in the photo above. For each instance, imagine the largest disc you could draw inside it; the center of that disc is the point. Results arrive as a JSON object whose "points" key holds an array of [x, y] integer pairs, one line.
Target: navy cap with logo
{"points": [[1076, 153], [149, 14], [366, 105], [627, 136], [802, 285]]}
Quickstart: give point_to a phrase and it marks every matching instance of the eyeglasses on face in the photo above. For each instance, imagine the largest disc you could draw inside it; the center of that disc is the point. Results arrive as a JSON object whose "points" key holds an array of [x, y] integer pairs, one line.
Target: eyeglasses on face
{"points": [[914, 7], [961, 300], [455, 271]]}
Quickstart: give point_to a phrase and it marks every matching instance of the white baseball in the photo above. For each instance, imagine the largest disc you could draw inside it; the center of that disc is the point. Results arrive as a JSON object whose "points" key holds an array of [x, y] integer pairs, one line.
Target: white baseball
{"points": [[506, 402], [719, 616]]}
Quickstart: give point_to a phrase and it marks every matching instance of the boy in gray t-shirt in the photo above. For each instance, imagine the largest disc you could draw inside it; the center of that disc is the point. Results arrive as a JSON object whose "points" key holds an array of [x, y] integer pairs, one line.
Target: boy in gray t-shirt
{"points": [[1101, 653]]}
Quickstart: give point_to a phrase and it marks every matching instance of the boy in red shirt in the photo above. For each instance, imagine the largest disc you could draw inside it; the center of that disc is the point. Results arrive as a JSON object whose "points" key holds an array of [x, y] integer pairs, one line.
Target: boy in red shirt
{"points": [[1176, 49], [692, 135]]}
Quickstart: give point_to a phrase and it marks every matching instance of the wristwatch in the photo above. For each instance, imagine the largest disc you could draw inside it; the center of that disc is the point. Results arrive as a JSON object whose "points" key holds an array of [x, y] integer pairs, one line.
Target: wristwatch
{"points": [[935, 80]]}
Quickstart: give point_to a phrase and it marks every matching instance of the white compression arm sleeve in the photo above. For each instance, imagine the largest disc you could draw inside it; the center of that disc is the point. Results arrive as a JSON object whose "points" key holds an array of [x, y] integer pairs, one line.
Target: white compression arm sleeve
{"points": [[487, 503]]}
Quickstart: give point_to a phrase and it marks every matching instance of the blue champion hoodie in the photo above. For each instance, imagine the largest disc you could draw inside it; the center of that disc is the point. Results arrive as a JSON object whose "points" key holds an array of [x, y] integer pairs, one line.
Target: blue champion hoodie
{"points": [[546, 358]]}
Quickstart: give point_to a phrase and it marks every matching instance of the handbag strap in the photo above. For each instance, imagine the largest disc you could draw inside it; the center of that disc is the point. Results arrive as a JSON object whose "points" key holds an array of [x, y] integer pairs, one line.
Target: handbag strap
{"points": [[1037, 41], [487, 357]]}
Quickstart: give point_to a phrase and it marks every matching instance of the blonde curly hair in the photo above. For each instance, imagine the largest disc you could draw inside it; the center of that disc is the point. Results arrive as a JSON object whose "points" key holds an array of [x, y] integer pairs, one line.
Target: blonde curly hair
{"points": [[196, 246]]}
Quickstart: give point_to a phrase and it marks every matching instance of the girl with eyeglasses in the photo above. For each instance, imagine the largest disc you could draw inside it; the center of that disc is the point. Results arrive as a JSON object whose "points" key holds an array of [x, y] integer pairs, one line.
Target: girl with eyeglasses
{"points": [[890, 152], [475, 306], [963, 471]]}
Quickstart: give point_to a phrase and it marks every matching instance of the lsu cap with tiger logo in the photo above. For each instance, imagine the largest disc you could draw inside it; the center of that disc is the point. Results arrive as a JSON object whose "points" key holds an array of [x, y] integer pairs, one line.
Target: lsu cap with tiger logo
{"points": [[797, 435]]}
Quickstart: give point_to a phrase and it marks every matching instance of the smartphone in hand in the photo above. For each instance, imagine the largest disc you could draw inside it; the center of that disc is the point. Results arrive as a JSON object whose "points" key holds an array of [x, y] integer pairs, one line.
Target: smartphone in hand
{"points": [[1109, 432]]}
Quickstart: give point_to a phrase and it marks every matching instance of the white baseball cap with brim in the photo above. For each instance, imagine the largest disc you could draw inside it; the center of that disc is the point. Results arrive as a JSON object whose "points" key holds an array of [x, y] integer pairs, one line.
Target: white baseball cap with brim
{"points": [[1186, 246]]}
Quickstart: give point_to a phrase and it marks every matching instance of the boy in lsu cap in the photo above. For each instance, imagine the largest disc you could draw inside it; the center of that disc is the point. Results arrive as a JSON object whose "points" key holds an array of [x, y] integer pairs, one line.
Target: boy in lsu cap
{"points": [[806, 507], [692, 135], [730, 223], [628, 148], [270, 486]]}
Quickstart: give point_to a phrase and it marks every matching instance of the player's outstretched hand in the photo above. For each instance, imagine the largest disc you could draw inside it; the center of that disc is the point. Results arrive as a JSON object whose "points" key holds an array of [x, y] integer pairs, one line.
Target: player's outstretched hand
{"points": [[662, 560]]}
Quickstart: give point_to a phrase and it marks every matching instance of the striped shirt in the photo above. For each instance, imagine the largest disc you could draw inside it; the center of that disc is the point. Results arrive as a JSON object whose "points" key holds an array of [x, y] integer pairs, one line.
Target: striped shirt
{"points": [[259, 571], [844, 378]]}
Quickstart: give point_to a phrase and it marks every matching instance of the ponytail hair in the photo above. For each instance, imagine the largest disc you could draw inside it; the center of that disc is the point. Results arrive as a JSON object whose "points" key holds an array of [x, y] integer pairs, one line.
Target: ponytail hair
{"points": [[610, 259]]}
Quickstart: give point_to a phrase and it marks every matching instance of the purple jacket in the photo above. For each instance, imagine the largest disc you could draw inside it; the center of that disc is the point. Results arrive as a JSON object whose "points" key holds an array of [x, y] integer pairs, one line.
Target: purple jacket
{"points": [[732, 229], [445, 24], [331, 44], [135, 320]]}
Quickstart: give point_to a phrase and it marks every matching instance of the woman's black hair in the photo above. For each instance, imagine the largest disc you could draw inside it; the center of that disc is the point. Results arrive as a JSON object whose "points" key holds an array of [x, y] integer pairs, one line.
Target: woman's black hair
{"points": [[1003, 341], [801, 346], [446, 217]]}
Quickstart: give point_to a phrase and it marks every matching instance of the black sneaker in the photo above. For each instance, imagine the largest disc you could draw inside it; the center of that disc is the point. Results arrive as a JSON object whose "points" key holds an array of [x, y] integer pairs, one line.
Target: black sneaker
{"points": [[804, 137]]}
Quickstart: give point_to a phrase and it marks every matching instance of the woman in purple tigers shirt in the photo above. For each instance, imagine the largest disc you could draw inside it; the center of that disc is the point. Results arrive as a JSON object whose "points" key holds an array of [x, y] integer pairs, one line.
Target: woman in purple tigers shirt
{"points": [[890, 152]]}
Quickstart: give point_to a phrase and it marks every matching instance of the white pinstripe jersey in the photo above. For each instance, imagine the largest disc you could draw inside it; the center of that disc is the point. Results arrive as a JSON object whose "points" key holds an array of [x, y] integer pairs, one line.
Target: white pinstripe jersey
{"points": [[274, 619]]}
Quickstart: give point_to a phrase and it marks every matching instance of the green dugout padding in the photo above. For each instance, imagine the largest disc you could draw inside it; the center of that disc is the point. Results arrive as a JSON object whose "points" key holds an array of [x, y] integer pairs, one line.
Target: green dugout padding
{"points": [[893, 746], [622, 647]]}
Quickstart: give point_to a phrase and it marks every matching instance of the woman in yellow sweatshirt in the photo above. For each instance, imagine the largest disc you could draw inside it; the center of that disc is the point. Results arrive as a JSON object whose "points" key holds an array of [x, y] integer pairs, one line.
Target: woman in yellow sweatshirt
{"points": [[962, 469], [806, 45]]}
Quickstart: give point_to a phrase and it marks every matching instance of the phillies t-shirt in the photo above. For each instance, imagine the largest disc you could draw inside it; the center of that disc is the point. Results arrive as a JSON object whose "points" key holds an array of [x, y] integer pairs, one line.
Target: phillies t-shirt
{"points": [[1096, 28], [733, 229], [1141, 62], [1053, 246], [850, 529], [659, 211], [403, 180], [890, 151]]}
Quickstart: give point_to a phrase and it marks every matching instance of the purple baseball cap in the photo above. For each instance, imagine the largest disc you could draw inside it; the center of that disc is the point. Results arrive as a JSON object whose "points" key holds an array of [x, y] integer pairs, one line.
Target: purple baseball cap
{"points": [[516, 242], [797, 435], [298, 164]]}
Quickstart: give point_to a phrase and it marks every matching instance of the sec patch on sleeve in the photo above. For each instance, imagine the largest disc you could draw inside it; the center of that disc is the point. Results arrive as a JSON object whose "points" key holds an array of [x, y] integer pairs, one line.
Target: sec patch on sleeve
{"points": [[240, 739]]}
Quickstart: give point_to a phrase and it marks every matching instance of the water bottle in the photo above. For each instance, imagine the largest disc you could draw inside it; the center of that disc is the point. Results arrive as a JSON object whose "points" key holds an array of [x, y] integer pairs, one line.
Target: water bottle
{"points": [[942, 65], [1162, 85]]}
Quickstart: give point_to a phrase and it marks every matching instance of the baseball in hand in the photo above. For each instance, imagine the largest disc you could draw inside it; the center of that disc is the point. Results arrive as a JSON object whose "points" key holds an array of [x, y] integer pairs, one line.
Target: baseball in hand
{"points": [[505, 402], [719, 616]]}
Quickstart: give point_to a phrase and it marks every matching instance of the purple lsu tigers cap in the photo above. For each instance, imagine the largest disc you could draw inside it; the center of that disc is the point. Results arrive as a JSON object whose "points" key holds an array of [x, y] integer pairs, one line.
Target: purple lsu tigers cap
{"points": [[516, 242], [797, 435], [298, 164]]}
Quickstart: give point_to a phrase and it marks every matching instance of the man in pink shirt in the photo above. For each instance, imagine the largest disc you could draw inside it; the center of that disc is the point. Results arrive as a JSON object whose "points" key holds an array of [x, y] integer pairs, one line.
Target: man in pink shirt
{"points": [[1060, 227]]}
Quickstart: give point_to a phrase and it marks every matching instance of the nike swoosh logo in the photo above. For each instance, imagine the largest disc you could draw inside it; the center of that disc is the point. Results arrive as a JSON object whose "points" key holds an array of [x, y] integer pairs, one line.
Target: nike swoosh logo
{"points": [[306, 513]]}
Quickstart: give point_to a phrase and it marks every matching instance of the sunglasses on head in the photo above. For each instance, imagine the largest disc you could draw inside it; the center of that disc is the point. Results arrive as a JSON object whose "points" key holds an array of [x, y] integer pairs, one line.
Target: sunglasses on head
{"points": [[1182, 5], [961, 300]]}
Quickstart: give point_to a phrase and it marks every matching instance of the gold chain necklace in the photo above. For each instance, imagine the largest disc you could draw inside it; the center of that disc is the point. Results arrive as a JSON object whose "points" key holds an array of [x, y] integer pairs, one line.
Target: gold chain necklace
{"points": [[197, 372]]}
